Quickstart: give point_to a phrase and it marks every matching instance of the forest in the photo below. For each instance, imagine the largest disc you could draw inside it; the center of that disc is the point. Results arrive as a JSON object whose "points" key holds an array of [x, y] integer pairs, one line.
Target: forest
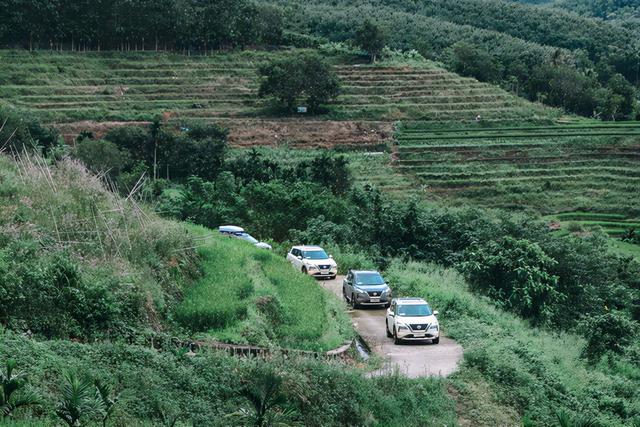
{"points": [[138, 25]]}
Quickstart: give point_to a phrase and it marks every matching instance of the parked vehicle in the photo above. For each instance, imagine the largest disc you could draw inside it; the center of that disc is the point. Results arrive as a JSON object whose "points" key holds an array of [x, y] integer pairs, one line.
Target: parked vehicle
{"points": [[239, 233], [365, 288], [412, 319], [313, 260]]}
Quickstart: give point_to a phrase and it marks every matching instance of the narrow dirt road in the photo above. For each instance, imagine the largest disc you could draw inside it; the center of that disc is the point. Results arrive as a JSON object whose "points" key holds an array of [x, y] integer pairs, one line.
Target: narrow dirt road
{"points": [[413, 359]]}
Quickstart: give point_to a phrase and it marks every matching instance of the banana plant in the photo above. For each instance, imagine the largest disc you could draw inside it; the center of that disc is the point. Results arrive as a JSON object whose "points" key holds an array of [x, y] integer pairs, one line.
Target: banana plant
{"points": [[13, 394]]}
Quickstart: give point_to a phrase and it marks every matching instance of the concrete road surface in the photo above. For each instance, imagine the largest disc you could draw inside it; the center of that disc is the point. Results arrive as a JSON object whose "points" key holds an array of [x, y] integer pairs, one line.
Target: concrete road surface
{"points": [[413, 359]]}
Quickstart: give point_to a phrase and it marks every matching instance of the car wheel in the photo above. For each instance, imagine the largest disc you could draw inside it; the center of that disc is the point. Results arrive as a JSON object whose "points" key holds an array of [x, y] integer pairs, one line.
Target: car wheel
{"points": [[344, 295], [396, 340], [354, 304], [386, 328], [304, 270], [435, 341], [387, 305]]}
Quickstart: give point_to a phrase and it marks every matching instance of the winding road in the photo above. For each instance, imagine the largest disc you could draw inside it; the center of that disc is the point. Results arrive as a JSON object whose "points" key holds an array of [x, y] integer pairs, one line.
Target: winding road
{"points": [[413, 359]]}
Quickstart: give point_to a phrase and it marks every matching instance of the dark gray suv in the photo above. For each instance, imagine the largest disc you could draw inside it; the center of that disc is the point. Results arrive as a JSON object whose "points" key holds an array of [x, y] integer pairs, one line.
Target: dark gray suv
{"points": [[365, 288]]}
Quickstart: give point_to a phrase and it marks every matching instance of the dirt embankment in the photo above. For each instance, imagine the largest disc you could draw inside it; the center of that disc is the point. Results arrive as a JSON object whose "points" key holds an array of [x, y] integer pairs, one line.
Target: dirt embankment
{"points": [[298, 133]]}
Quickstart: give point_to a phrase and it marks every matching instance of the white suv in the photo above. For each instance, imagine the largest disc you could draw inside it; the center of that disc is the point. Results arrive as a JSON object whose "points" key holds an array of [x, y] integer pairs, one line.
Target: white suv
{"points": [[313, 260], [412, 319]]}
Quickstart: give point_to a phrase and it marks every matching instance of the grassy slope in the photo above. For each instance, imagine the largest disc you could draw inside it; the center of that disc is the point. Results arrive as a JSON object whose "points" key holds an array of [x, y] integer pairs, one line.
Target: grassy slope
{"points": [[138, 86], [59, 225], [511, 369], [590, 166], [250, 295]]}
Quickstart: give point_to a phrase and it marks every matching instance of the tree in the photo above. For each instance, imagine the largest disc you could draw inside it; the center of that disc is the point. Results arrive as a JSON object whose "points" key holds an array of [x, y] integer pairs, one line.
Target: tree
{"points": [[79, 400], [514, 272], [304, 76], [371, 39], [103, 157], [474, 61], [268, 405], [609, 331], [12, 390]]}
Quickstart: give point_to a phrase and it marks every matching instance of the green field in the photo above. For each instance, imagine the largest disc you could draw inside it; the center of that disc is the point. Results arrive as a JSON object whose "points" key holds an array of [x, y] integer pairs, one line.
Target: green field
{"points": [[547, 169], [63, 87]]}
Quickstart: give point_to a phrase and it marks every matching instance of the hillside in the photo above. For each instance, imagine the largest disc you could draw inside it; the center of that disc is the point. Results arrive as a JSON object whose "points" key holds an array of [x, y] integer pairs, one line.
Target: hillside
{"points": [[546, 168], [223, 87]]}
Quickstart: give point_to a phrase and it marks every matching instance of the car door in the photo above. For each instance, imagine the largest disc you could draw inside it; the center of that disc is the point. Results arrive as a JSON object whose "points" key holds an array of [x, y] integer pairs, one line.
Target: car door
{"points": [[391, 316], [296, 261], [291, 256], [347, 284]]}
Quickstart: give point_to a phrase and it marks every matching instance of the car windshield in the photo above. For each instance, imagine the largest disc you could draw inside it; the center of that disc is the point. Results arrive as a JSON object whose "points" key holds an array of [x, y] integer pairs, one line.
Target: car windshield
{"points": [[369, 279], [317, 254], [248, 237], [414, 310]]}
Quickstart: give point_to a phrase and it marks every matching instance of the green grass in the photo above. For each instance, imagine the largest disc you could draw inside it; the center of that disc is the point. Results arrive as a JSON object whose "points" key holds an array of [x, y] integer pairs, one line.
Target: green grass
{"points": [[251, 296], [626, 248], [120, 86], [510, 368]]}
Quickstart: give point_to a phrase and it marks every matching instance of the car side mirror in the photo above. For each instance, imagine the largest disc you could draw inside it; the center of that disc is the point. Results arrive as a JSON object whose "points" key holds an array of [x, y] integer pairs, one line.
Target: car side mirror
{"points": [[299, 257], [391, 313], [436, 312], [331, 256]]}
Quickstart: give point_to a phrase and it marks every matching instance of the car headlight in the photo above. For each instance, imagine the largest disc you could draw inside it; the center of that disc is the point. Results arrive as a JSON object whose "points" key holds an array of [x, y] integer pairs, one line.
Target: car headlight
{"points": [[312, 267], [360, 291], [433, 327], [402, 327], [387, 291]]}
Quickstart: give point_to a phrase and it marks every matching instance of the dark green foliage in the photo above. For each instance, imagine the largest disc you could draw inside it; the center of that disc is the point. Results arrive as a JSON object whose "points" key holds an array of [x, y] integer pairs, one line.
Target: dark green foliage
{"points": [[195, 150], [268, 405], [470, 60], [514, 272], [52, 295], [139, 24], [102, 157], [78, 400], [608, 331], [19, 131], [371, 39], [306, 77], [13, 392]]}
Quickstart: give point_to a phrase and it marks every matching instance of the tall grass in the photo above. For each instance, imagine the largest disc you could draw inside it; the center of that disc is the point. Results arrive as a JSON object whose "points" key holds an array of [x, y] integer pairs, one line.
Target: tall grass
{"points": [[252, 296]]}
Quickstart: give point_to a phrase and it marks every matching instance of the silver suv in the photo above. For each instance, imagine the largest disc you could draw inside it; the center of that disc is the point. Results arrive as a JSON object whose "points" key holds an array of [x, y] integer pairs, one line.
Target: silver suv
{"points": [[365, 288]]}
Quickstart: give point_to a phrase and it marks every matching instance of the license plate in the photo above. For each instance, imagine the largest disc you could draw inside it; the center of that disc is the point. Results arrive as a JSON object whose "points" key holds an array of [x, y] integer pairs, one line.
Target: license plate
{"points": [[375, 299], [418, 335]]}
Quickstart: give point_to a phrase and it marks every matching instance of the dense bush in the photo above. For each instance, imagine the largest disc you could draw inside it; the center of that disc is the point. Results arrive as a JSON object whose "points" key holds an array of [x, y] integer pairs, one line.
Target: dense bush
{"points": [[515, 272], [19, 131], [159, 388]]}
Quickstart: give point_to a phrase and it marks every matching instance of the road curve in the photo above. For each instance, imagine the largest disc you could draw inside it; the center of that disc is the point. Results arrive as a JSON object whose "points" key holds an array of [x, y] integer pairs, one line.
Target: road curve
{"points": [[413, 359]]}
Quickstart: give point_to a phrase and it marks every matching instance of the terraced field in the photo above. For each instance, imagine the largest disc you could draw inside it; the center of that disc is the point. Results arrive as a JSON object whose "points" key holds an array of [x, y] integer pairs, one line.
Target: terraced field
{"points": [[112, 88], [613, 224], [546, 168]]}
